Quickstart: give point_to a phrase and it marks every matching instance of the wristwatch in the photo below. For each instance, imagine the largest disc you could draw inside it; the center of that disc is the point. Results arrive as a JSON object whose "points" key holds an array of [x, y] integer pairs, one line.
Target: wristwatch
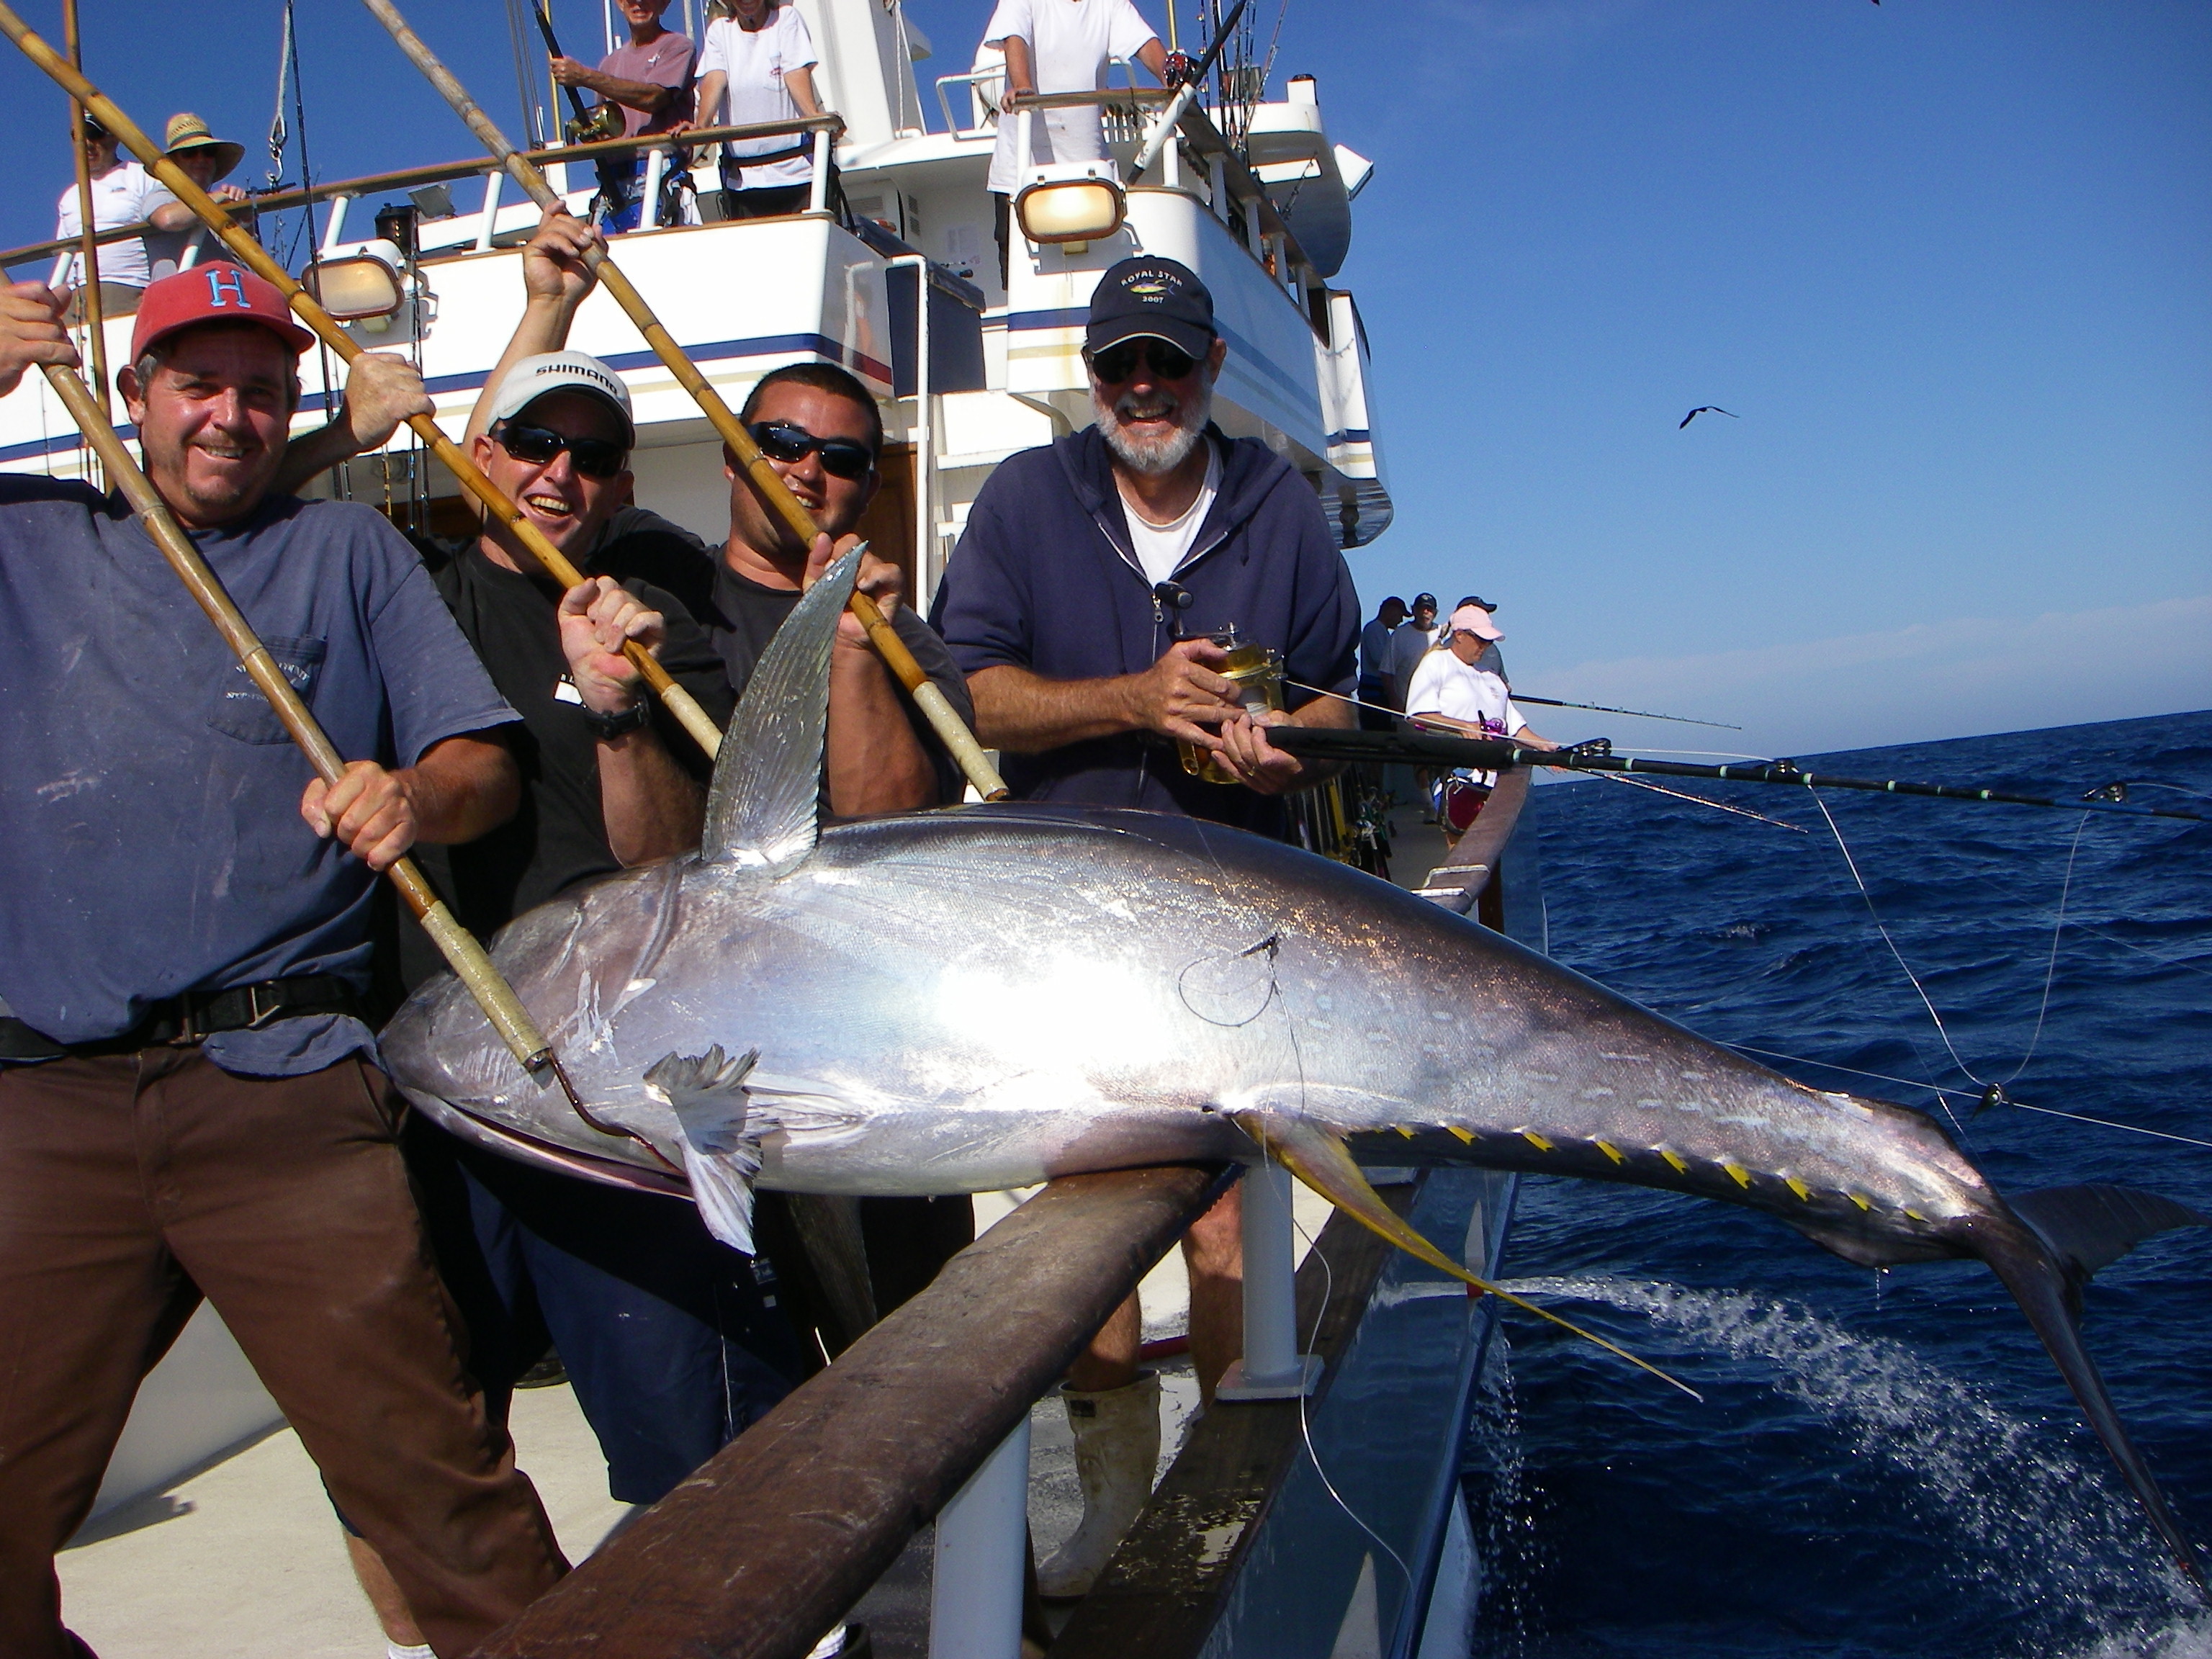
{"points": [[607, 727]]}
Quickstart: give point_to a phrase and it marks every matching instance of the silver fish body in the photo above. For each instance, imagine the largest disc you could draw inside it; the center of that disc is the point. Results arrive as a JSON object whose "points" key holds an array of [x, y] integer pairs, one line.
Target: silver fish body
{"points": [[981, 998]]}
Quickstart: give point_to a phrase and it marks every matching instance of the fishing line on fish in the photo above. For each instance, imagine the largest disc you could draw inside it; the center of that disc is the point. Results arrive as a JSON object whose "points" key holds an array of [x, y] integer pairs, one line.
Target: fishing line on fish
{"points": [[2050, 967], [1851, 864], [1700, 800], [1328, 1293], [1963, 1094], [1305, 1422]]}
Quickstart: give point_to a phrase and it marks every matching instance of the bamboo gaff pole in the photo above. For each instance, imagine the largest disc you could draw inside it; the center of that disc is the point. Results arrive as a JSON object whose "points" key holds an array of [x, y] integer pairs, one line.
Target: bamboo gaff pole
{"points": [[460, 947], [250, 254], [951, 729], [87, 259]]}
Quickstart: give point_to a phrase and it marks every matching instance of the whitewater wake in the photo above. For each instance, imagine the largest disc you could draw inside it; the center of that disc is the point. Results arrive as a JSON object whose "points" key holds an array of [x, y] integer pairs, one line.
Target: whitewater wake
{"points": [[2044, 1530]]}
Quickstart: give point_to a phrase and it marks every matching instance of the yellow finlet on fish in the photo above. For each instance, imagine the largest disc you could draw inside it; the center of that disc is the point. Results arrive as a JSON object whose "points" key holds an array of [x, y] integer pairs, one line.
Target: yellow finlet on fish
{"points": [[1318, 1157]]}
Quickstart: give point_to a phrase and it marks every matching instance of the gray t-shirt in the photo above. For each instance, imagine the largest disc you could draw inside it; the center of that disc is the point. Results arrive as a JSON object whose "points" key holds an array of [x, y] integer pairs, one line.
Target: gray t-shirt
{"points": [[150, 834]]}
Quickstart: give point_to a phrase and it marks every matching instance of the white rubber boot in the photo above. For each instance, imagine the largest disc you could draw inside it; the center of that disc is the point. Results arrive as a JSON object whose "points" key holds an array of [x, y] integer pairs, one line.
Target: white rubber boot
{"points": [[1117, 1446]]}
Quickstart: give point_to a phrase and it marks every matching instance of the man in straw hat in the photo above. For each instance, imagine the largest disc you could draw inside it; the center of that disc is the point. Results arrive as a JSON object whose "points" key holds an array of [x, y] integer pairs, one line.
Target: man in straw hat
{"points": [[192, 1096], [205, 159]]}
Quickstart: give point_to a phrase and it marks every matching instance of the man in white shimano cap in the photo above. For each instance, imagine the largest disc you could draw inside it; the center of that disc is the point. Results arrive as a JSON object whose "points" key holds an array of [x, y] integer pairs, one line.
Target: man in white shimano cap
{"points": [[667, 1336]]}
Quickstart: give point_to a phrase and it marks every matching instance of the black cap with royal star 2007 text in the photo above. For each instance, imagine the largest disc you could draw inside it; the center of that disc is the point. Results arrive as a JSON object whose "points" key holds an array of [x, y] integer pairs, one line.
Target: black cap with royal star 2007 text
{"points": [[1151, 298]]}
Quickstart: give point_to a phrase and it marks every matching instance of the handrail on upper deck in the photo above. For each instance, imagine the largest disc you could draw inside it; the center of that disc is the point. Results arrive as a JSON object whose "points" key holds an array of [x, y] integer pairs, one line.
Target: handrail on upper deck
{"points": [[440, 172], [974, 78]]}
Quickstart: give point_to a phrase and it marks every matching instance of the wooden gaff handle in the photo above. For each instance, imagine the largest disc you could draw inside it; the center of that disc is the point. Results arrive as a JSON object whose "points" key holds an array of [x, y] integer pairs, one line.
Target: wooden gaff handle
{"points": [[951, 729], [502, 1007], [250, 253]]}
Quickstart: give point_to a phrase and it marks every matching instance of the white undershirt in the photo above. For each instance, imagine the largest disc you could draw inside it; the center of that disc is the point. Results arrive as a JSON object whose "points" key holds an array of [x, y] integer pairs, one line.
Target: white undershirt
{"points": [[1161, 547]]}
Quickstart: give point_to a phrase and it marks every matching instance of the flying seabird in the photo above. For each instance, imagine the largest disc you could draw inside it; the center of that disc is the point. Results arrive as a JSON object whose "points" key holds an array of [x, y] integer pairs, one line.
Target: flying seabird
{"points": [[1705, 409]]}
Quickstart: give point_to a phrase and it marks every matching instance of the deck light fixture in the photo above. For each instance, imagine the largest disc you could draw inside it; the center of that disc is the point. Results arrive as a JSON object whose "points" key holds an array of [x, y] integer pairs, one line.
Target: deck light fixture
{"points": [[359, 286], [1073, 211]]}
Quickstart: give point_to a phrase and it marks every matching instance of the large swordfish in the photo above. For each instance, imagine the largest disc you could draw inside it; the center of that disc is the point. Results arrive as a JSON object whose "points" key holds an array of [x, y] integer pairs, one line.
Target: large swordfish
{"points": [[986, 997]]}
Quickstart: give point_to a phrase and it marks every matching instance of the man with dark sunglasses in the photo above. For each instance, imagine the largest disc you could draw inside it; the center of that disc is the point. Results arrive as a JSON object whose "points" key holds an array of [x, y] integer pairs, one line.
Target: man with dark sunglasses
{"points": [[1084, 601]]}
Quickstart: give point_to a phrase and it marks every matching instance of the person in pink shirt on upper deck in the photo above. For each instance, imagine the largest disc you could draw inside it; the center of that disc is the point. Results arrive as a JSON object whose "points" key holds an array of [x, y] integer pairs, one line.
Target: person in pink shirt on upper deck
{"points": [[648, 79]]}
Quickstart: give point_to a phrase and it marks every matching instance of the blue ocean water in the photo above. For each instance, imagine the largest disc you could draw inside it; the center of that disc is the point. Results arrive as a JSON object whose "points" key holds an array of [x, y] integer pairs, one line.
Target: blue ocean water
{"points": [[1886, 1464]]}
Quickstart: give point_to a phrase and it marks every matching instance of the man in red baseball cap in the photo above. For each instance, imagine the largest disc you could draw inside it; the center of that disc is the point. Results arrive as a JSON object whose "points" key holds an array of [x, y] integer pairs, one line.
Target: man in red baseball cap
{"points": [[190, 1085]]}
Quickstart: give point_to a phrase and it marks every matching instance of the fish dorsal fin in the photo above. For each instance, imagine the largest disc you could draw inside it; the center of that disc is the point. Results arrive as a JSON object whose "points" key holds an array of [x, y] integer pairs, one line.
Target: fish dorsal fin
{"points": [[767, 778]]}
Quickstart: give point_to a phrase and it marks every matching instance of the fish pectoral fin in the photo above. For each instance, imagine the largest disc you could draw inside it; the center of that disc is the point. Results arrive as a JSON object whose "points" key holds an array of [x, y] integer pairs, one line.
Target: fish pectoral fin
{"points": [[707, 1092], [1317, 1155]]}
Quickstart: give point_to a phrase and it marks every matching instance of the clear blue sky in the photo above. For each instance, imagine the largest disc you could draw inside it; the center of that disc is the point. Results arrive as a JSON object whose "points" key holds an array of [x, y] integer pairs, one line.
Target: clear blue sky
{"points": [[1949, 260]]}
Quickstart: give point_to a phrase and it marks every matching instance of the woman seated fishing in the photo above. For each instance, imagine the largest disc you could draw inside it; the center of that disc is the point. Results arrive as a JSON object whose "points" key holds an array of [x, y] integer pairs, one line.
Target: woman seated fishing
{"points": [[1448, 692]]}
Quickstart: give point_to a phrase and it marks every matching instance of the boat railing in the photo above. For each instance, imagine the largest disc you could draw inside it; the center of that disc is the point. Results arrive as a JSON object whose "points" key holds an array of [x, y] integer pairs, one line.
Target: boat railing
{"points": [[924, 1418], [823, 129], [986, 125]]}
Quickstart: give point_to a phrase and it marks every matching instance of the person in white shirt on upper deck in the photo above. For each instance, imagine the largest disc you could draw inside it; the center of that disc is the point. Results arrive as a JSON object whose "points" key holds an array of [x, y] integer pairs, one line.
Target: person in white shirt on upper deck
{"points": [[1448, 692], [123, 193], [1058, 46], [758, 65]]}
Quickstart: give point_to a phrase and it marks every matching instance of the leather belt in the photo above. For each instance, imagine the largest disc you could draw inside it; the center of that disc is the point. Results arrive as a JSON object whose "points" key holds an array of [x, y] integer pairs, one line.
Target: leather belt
{"points": [[184, 1020]]}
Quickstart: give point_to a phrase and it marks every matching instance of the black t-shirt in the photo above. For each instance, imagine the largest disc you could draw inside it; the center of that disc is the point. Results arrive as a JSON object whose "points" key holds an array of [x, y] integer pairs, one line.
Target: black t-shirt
{"points": [[558, 836], [741, 616]]}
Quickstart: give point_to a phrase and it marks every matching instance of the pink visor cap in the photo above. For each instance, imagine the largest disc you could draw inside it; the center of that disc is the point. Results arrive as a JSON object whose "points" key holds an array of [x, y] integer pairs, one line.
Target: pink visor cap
{"points": [[1473, 619]]}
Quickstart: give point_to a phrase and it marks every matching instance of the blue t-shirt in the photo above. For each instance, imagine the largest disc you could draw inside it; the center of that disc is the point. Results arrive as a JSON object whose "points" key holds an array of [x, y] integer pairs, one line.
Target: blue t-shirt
{"points": [[150, 834]]}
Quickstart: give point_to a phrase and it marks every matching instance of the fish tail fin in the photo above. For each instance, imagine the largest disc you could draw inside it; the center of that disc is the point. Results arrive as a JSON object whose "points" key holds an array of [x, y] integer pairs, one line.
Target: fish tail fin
{"points": [[707, 1092], [1318, 1157], [2068, 1233]]}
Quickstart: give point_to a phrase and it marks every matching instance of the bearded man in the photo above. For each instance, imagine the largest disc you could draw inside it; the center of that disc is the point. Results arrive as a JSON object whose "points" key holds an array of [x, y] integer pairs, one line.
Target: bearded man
{"points": [[1082, 603]]}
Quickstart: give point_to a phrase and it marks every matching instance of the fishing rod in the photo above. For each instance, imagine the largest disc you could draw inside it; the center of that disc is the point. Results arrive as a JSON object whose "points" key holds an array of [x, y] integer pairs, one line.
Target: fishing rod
{"points": [[1641, 715], [468, 958], [950, 729], [250, 253], [1165, 125], [603, 122], [588, 120], [1497, 754], [1548, 702]]}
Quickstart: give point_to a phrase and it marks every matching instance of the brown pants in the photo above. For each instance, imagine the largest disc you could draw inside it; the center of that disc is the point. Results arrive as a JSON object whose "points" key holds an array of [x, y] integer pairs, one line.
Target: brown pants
{"points": [[130, 1185]]}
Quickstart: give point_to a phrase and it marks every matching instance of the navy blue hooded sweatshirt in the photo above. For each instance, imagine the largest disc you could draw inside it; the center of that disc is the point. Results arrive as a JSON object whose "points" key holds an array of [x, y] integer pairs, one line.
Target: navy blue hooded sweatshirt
{"points": [[1045, 578]]}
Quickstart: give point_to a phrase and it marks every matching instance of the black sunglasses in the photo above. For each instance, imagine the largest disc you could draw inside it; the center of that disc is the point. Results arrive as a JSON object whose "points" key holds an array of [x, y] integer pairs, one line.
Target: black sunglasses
{"points": [[1116, 364], [842, 458], [593, 458]]}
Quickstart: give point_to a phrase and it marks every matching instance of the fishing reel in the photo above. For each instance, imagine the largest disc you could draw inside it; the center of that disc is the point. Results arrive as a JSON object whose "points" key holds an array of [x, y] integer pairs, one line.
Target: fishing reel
{"points": [[1256, 671], [1179, 70], [605, 121]]}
